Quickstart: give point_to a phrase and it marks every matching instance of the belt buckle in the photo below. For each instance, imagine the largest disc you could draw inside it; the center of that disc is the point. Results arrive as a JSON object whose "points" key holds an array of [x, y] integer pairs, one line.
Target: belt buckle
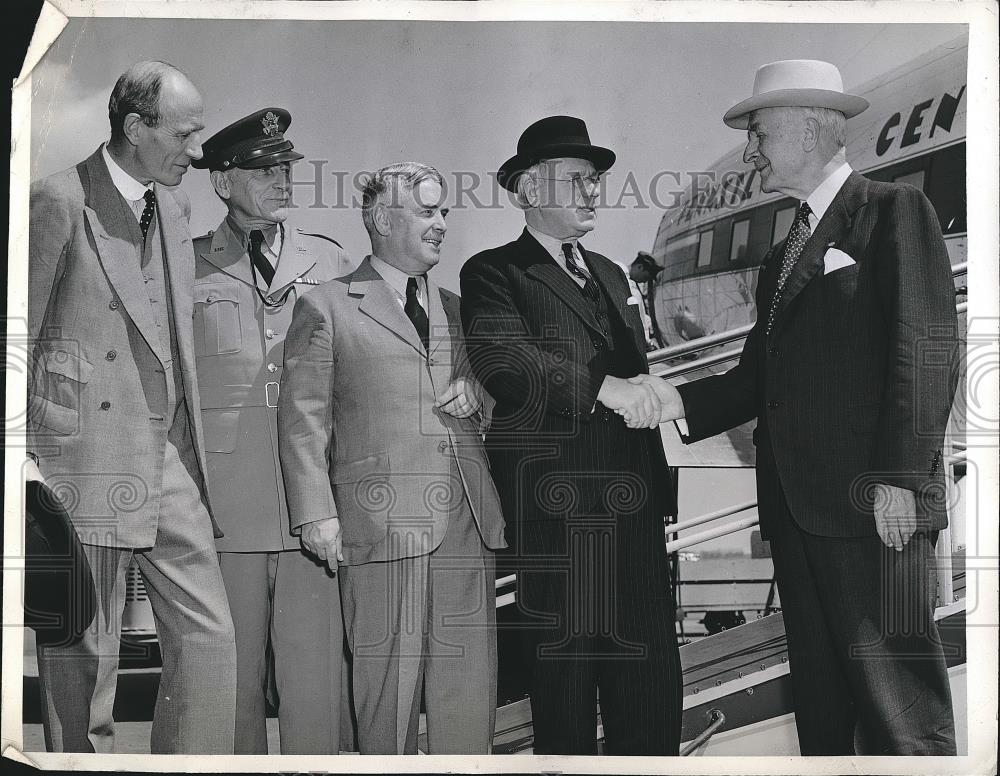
{"points": [[267, 394]]}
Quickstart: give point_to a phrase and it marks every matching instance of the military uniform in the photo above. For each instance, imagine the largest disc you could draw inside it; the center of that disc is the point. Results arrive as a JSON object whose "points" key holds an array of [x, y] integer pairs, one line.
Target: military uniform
{"points": [[284, 603]]}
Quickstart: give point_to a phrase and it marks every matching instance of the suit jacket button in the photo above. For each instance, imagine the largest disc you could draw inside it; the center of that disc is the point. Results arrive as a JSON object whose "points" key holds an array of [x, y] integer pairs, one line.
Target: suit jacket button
{"points": [[442, 446], [112, 355], [272, 368], [269, 333], [772, 351], [105, 405], [773, 404], [113, 304]]}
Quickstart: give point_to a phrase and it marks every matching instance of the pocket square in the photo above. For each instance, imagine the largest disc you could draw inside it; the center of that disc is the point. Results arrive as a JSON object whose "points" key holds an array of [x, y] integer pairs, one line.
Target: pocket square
{"points": [[835, 259], [631, 300]]}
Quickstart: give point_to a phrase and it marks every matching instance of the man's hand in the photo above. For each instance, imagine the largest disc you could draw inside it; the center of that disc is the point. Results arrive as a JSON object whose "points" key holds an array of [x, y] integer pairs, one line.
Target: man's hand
{"points": [[322, 539], [32, 472], [671, 404], [461, 399], [895, 515], [638, 404]]}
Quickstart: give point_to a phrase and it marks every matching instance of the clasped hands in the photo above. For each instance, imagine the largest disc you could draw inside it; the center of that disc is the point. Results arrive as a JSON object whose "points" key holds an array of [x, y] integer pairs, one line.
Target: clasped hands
{"points": [[644, 401]]}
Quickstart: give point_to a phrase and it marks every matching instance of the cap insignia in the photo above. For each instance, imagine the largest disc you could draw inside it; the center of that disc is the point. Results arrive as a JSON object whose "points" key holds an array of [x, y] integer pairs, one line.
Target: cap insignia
{"points": [[270, 122]]}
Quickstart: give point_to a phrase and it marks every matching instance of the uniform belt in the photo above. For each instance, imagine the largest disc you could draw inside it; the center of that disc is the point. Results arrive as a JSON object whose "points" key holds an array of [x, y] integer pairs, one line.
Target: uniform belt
{"points": [[224, 396]]}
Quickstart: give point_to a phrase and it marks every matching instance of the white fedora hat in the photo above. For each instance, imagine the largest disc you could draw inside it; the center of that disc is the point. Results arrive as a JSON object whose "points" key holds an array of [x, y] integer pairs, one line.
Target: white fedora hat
{"points": [[793, 83]]}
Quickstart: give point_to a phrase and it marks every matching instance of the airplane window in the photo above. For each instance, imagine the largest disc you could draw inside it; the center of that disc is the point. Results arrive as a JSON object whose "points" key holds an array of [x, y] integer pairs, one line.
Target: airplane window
{"points": [[741, 235], [705, 248], [782, 223], [913, 178]]}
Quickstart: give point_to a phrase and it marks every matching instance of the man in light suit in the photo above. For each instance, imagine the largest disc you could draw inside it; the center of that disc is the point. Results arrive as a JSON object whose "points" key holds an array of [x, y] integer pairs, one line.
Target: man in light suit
{"points": [[848, 371], [115, 420], [379, 430], [248, 275], [553, 332]]}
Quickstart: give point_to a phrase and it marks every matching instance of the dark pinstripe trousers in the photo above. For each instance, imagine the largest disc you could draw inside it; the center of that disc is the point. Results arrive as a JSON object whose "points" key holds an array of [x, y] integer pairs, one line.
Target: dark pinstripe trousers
{"points": [[867, 665], [595, 596]]}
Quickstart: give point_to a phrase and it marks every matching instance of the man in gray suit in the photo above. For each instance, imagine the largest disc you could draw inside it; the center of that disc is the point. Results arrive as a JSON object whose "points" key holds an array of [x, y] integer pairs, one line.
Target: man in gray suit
{"points": [[379, 430], [115, 422]]}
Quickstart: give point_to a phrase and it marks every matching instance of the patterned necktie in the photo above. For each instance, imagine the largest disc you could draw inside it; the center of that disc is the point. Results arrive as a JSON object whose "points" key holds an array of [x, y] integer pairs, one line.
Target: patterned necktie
{"points": [[589, 289], [257, 257], [797, 237], [415, 311], [147, 212]]}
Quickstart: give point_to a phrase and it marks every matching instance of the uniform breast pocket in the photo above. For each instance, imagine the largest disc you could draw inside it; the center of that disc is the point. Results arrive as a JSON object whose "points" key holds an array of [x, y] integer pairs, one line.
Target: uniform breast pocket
{"points": [[217, 324]]}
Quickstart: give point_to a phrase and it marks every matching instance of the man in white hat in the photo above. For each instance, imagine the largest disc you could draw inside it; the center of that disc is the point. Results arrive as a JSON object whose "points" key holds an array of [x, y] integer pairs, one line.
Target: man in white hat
{"points": [[848, 370]]}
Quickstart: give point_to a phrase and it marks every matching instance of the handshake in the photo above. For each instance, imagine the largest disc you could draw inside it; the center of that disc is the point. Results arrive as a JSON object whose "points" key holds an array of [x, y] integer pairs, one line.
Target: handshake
{"points": [[644, 401]]}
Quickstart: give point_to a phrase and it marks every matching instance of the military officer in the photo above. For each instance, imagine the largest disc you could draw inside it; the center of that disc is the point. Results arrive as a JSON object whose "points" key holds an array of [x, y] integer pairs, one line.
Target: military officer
{"points": [[250, 271]]}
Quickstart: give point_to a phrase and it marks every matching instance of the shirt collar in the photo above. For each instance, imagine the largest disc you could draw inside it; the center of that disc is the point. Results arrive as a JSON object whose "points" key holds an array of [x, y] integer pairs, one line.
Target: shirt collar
{"points": [[128, 186], [550, 244], [819, 201], [394, 276], [273, 248]]}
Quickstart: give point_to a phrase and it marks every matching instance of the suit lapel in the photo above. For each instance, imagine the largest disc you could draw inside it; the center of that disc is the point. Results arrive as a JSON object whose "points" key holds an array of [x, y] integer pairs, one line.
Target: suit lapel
{"points": [[118, 254], [610, 278], [545, 270], [293, 263], [832, 228], [380, 303], [441, 358], [179, 259]]}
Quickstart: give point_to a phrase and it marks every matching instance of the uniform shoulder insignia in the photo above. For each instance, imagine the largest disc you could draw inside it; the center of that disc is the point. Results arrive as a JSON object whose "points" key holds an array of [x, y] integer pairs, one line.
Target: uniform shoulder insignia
{"points": [[322, 237]]}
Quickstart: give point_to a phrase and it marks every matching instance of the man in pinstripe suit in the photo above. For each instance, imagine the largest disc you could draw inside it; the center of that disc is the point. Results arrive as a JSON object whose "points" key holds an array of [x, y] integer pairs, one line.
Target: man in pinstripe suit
{"points": [[847, 371], [553, 333]]}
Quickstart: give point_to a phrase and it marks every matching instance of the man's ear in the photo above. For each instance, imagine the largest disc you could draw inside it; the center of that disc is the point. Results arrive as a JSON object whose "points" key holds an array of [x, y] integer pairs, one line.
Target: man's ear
{"points": [[380, 217], [527, 189], [131, 127], [220, 182], [810, 135]]}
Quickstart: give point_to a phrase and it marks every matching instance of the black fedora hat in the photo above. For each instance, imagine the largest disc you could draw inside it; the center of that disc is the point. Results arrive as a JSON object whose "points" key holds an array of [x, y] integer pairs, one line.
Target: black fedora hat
{"points": [[255, 141], [551, 138]]}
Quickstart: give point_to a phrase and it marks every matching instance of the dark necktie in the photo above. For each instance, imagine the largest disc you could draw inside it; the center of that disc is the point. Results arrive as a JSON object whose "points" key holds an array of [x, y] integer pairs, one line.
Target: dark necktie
{"points": [[147, 212], [589, 289], [415, 311], [797, 237], [260, 262]]}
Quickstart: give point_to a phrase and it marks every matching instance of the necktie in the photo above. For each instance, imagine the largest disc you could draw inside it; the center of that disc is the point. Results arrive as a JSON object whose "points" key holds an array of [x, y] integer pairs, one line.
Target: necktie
{"points": [[147, 212], [797, 237], [415, 311], [589, 289], [257, 257]]}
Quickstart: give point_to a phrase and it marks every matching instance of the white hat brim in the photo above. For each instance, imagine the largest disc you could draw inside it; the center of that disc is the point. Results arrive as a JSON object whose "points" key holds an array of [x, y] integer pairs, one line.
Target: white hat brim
{"points": [[738, 117]]}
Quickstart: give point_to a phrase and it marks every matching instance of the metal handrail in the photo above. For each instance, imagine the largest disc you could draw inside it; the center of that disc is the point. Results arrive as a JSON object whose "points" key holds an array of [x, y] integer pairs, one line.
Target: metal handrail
{"points": [[693, 346], [702, 363], [723, 337], [708, 517], [718, 719], [712, 533]]}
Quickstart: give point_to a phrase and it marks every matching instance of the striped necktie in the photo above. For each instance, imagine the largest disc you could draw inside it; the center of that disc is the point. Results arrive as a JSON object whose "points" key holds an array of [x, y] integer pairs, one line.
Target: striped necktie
{"points": [[574, 268]]}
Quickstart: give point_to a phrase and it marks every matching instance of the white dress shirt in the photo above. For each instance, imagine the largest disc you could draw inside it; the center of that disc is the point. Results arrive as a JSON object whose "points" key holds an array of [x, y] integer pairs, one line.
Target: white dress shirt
{"points": [[819, 201], [554, 248], [133, 191], [397, 279]]}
